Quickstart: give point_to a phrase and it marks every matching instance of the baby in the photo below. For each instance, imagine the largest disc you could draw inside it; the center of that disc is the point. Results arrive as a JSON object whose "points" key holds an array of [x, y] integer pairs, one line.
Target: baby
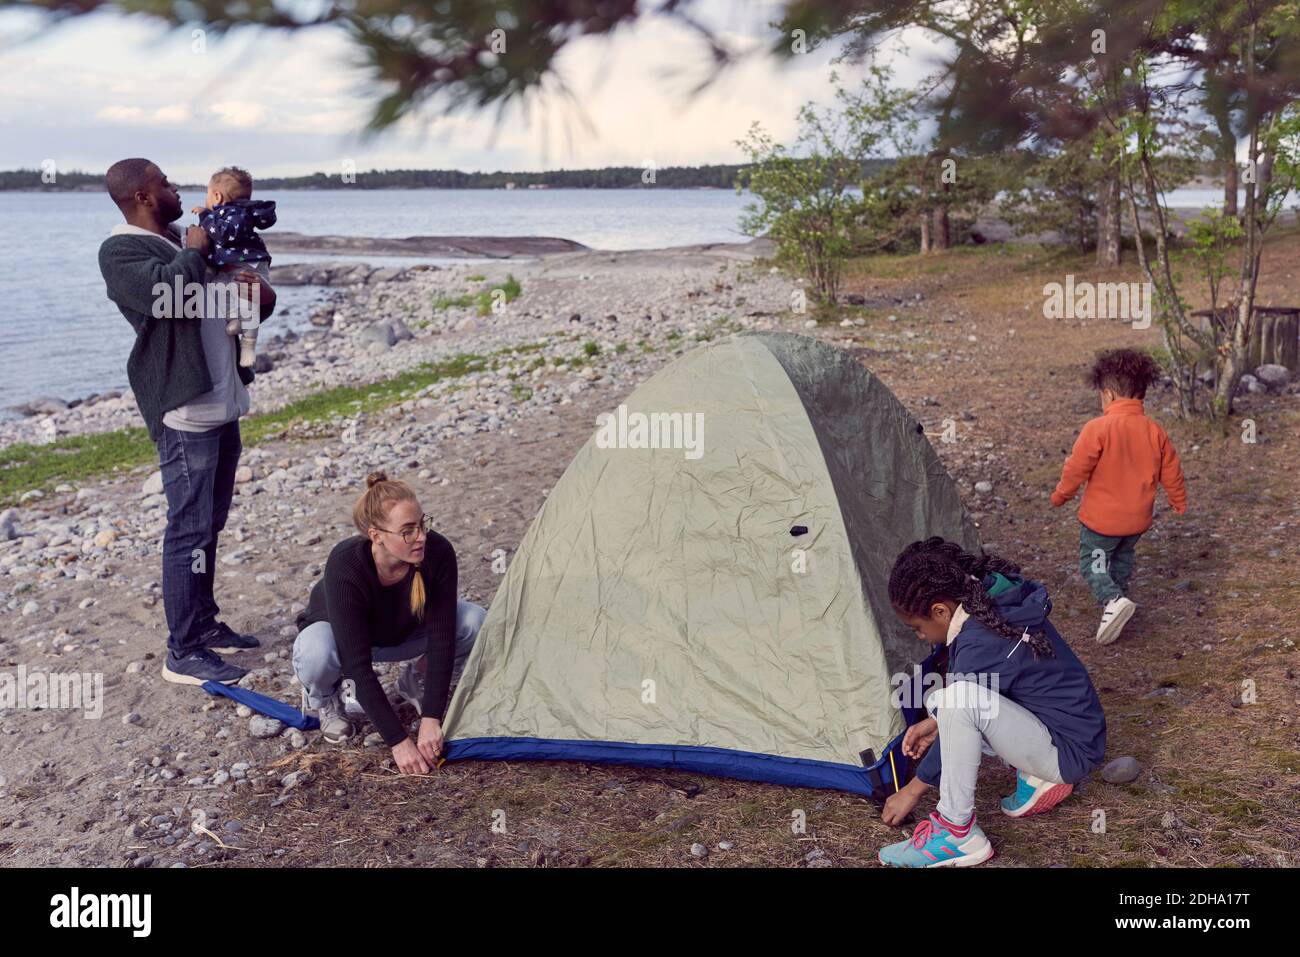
{"points": [[230, 216]]}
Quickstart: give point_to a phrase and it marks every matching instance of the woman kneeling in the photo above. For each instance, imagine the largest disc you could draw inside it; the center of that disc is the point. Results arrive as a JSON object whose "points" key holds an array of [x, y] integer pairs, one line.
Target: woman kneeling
{"points": [[388, 594]]}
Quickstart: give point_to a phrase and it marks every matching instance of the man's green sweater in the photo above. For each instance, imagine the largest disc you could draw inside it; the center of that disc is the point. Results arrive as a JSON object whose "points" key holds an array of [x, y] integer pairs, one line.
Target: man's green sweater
{"points": [[166, 367]]}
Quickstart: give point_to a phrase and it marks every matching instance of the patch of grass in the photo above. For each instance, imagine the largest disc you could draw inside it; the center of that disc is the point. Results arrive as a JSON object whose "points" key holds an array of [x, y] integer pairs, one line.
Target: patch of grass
{"points": [[85, 457], [24, 466], [509, 292], [476, 278], [591, 349], [621, 348], [441, 301], [350, 399], [522, 393]]}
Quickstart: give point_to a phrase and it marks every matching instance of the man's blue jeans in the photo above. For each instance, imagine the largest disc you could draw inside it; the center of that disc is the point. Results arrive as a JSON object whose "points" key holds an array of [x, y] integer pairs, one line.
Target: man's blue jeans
{"points": [[198, 472]]}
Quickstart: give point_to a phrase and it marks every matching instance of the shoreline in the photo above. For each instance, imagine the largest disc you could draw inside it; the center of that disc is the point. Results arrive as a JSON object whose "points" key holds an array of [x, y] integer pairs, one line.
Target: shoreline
{"points": [[407, 320], [441, 247], [339, 279]]}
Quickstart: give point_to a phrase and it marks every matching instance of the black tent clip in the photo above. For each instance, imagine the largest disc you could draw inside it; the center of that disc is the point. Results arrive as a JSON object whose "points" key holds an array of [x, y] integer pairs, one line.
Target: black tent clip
{"points": [[799, 530]]}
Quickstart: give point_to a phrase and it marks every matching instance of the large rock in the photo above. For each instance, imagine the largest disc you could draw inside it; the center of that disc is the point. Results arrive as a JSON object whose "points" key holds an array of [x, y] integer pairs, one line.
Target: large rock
{"points": [[8, 524], [46, 405], [153, 485], [1121, 770], [381, 332], [1276, 377], [260, 726], [321, 274]]}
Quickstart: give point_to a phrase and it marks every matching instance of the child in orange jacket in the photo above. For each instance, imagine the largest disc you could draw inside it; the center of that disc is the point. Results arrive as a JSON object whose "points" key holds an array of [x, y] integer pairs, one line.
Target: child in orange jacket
{"points": [[1122, 455]]}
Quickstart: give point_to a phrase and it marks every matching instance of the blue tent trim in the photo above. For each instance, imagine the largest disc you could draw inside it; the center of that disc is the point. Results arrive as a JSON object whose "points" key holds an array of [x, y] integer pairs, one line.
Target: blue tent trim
{"points": [[270, 707], [724, 762], [875, 780]]}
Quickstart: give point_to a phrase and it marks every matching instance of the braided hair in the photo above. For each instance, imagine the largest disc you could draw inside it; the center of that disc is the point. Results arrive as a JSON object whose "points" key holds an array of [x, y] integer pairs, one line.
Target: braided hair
{"points": [[936, 570]]}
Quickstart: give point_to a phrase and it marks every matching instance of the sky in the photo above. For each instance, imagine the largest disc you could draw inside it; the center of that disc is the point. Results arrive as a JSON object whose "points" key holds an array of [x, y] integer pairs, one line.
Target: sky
{"points": [[104, 87]]}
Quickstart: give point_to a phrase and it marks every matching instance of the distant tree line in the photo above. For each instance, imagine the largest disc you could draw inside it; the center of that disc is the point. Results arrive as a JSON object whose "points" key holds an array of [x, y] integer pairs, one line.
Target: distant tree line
{"points": [[610, 177]]}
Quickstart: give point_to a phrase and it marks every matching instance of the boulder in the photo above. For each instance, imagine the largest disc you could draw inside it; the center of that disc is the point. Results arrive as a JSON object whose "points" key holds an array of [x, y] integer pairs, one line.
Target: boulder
{"points": [[381, 332], [263, 727], [1122, 770], [1273, 376]]}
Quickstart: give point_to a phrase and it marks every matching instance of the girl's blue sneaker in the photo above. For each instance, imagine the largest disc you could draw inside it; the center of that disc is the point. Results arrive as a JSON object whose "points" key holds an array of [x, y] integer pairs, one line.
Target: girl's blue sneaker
{"points": [[932, 844], [1034, 796]]}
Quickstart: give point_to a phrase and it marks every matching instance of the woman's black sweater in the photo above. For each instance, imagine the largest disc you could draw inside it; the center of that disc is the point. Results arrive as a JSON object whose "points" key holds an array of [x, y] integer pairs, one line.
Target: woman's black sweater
{"points": [[364, 614]]}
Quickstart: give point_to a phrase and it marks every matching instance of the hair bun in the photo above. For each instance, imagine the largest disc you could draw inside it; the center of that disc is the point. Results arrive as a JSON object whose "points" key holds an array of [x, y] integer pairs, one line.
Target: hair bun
{"points": [[374, 478]]}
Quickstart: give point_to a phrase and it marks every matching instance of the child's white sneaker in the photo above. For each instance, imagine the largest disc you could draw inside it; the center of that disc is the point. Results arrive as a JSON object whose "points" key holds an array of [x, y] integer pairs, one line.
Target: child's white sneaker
{"points": [[1113, 619]]}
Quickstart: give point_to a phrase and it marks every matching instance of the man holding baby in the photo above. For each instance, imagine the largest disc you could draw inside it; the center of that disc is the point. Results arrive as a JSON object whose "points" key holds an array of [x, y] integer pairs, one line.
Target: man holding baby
{"points": [[191, 389]]}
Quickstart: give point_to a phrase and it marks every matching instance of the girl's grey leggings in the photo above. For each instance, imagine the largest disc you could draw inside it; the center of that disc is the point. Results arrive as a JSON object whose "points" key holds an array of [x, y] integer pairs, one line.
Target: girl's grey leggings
{"points": [[975, 720]]}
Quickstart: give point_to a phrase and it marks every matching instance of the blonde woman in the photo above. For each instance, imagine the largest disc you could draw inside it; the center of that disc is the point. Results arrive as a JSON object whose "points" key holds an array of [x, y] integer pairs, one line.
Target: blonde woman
{"points": [[388, 594]]}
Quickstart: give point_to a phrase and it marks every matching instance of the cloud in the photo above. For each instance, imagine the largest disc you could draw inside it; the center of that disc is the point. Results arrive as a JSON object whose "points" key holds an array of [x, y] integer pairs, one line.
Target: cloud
{"points": [[239, 114], [174, 114]]}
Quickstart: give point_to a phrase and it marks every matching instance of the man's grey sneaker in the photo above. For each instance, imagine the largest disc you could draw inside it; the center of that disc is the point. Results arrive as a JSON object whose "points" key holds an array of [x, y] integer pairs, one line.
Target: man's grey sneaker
{"points": [[410, 686], [334, 725], [201, 666], [1113, 619], [226, 641]]}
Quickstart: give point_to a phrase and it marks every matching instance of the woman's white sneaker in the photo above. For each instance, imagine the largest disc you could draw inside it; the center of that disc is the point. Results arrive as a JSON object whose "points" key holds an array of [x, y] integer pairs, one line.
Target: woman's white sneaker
{"points": [[334, 725], [1113, 619]]}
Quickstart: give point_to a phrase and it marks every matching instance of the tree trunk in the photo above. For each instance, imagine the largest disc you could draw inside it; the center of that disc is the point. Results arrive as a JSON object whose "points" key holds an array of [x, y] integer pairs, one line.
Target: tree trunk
{"points": [[1230, 187], [942, 235], [1108, 220], [1234, 363], [926, 214]]}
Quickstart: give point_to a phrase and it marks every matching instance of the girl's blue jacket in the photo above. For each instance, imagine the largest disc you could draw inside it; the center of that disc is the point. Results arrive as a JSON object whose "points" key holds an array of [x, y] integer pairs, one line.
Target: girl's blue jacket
{"points": [[1057, 689]]}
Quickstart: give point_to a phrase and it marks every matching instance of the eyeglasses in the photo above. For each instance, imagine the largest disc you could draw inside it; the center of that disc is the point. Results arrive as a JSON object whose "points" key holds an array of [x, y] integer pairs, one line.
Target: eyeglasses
{"points": [[410, 534]]}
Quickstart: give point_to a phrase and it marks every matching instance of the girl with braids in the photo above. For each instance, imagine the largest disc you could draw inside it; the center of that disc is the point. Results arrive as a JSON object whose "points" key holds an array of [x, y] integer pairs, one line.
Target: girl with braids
{"points": [[1012, 688], [388, 594]]}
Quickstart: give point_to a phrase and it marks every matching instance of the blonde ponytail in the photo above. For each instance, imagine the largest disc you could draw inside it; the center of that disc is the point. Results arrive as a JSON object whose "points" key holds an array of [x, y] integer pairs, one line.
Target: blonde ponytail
{"points": [[417, 594], [371, 511]]}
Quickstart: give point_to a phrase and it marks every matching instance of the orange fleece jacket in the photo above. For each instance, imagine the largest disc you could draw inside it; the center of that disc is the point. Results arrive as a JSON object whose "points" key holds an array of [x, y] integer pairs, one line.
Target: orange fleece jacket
{"points": [[1122, 455]]}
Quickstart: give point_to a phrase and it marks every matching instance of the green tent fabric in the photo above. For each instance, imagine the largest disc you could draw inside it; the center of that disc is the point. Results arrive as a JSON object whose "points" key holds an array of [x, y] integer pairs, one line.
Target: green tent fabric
{"points": [[720, 606]]}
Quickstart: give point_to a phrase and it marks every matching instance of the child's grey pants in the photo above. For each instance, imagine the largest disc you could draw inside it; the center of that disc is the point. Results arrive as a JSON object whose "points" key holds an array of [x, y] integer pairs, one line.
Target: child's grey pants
{"points": [[975, 720]]}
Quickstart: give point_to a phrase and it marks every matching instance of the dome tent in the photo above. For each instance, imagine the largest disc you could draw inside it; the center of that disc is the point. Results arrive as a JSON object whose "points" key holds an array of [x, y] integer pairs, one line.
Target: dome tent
{"points": [[719, 607]]}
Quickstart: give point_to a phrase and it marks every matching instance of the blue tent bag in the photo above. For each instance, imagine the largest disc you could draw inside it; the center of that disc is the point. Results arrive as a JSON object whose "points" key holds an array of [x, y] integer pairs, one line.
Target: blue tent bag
{"points": [[267, 706]]}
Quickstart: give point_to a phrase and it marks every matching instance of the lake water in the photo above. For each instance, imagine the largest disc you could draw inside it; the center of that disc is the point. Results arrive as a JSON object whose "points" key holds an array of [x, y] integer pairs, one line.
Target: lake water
{"points": [[60, 336]]}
